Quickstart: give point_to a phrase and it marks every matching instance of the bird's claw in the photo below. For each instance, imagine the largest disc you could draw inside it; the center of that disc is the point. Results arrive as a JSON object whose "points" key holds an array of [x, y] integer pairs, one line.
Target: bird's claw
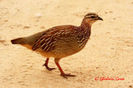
{"points": [[67, 75], [48, 68]]}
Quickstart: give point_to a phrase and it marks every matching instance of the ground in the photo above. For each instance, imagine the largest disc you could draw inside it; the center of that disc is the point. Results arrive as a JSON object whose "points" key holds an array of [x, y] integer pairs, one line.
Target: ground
{"points": [[108, 53]]}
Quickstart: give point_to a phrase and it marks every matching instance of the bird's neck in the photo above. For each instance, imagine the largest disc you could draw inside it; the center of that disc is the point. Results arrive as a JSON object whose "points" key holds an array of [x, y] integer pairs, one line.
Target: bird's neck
{"points": [[84, 33], [86, 26]]}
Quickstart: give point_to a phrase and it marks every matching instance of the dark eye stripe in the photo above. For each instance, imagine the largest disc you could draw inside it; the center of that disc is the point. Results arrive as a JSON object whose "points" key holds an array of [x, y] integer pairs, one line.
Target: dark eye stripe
{"points": [[92, 16]]}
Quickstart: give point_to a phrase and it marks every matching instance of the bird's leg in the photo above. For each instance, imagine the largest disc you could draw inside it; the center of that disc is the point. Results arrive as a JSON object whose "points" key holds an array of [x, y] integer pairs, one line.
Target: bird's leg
{"points": [[46, 65], [62, 72]]}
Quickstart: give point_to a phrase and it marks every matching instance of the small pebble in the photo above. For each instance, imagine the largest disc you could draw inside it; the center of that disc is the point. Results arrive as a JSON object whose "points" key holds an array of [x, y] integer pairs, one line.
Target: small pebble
{"points": [[110, 11], [130, 86], [6, 20], [26, 27], [38, 15], [112, 48], [113, 69], [106, 12], [114, 18], [42, 27], [97, 67], [2, 41]]}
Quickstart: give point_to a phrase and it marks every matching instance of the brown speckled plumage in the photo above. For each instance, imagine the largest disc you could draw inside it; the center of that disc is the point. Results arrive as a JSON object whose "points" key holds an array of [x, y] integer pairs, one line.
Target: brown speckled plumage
{"points": [[60, 41]]}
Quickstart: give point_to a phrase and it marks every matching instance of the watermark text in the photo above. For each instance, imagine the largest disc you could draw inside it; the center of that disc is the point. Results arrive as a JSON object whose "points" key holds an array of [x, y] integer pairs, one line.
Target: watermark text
{"points": [[108, 78]]}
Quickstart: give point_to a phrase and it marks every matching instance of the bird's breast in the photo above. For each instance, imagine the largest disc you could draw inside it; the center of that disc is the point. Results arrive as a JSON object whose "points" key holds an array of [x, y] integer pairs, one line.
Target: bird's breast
{"points": [[83, 37]]}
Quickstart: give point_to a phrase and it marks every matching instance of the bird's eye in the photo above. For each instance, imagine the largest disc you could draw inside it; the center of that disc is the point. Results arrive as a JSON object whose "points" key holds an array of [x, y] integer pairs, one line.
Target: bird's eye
{"points": [[92, 16]]}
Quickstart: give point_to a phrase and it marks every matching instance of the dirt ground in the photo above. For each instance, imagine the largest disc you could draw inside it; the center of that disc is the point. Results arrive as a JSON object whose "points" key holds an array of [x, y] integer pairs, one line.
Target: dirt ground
{"points": [[108, 53]]}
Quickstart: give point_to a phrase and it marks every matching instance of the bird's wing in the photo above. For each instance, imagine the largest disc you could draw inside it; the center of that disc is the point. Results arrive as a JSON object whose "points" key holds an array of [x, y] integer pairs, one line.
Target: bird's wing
{"points": [[47, 40]]}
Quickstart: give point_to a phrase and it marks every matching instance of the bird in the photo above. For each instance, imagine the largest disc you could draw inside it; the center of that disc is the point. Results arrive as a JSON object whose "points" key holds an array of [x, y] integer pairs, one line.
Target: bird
{"points": [[60, 41]]}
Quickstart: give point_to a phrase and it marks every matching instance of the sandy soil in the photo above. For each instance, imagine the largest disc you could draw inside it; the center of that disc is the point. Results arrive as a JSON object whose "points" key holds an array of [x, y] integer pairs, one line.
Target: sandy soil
{"points": [[109, 52]]}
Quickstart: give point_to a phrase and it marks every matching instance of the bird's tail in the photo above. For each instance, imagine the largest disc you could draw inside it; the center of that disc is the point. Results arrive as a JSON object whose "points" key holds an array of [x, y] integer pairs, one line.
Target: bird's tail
{"points": [[18, 41]]}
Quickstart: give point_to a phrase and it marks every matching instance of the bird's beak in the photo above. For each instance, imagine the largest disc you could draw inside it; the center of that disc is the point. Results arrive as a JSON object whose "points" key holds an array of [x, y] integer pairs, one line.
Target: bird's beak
{"points": [[99, 18]]}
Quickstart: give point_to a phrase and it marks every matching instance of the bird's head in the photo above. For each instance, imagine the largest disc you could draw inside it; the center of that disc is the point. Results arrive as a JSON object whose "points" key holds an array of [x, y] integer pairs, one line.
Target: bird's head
{"points": [[92, 17]]}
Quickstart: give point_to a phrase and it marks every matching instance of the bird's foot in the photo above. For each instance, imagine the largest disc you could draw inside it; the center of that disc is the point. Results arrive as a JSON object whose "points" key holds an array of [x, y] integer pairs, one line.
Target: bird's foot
{"points": [[67, 75], [48, 68]]}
